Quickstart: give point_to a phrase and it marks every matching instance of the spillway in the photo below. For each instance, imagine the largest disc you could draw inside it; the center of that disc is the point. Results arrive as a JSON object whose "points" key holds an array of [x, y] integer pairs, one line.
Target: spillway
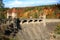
{"points": [[33, 31]]}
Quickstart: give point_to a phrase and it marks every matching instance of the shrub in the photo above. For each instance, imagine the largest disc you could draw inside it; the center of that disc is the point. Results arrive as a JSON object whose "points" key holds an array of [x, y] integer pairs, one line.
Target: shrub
{"points": [[57, 30]]}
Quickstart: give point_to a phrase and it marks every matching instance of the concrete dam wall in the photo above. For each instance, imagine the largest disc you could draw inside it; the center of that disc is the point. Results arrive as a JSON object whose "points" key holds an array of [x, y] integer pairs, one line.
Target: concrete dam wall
{"points": [[33, 31]]}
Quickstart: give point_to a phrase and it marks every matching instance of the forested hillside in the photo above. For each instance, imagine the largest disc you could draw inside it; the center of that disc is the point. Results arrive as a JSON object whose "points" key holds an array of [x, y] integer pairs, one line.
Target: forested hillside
{"points": [[51, 11]]}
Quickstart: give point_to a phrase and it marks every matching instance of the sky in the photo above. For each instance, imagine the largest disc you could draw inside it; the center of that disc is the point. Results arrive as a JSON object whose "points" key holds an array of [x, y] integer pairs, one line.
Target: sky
{"points": [[27, 3]]}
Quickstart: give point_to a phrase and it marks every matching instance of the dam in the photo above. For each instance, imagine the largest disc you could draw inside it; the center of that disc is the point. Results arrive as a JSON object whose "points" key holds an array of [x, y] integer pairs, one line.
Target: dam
{"points": [[36, 29], [33, 31]]}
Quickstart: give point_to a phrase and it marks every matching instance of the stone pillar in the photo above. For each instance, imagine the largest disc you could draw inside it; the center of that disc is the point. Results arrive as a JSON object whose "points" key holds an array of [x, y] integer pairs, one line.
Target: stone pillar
{"points": [[7, 14], [27, 21], [21, 22], [44, 20], [14, 15]]}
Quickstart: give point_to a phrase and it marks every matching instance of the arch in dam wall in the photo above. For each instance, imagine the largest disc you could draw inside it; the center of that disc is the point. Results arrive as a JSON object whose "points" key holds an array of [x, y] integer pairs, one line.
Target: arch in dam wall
{"points": [[35, 20], [30, 20]]}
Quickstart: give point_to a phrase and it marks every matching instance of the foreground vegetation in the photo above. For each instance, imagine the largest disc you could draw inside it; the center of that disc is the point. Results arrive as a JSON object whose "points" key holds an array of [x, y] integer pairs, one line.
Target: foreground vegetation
{"points": [[57, 30]]}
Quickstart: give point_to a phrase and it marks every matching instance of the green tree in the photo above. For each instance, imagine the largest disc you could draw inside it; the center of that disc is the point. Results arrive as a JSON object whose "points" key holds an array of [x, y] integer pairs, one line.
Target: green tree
{"points": [[57, 30], [1, 9], [1, 4], [36, 15]]}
